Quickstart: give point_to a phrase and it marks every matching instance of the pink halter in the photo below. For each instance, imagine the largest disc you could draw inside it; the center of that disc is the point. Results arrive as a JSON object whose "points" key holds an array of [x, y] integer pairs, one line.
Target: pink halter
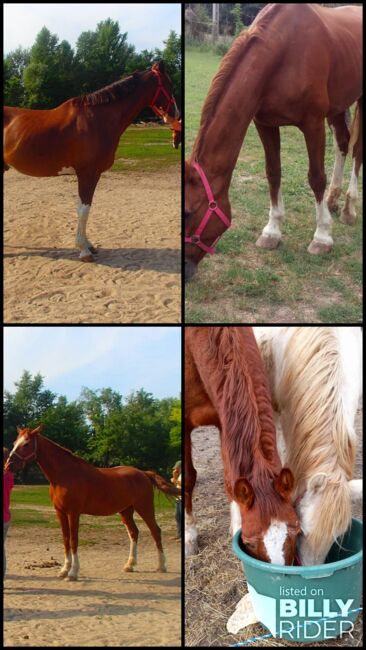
{"points": [[169, 97], [212, 209]]}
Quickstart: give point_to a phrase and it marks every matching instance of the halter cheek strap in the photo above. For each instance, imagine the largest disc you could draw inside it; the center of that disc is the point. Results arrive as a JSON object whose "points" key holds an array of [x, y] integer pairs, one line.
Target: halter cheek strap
{"points": [[169, 97], [212, 208]]}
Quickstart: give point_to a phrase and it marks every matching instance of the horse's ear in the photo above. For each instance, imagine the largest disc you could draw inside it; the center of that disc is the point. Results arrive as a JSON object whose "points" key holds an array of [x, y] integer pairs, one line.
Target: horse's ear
{"points": [[160, 65], [38, 429], [19, 429], [284, 483], [243, 492]]}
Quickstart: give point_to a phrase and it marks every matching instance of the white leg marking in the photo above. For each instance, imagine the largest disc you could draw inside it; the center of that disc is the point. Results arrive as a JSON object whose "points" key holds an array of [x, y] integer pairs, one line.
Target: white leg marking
{"points": [[132, 558], [235, 518], [81, 241], [335, 187], [274, 540], [276, 216], [349, 211], [74, 571], [190, 535], [66, 567], [323, 233]]}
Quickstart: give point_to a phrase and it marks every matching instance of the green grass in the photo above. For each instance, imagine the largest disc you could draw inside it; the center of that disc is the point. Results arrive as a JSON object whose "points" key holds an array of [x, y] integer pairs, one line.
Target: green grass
{"points": [[147, 148], [242, 283]]}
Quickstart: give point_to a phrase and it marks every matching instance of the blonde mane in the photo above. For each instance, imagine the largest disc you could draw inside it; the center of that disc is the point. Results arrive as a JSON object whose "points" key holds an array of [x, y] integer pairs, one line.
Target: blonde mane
{"points": [[319, 440]]}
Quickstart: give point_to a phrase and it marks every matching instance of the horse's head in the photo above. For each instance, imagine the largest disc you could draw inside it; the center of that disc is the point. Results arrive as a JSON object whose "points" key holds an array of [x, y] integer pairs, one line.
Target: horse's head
{"points": [[24, 450], [325, 510], [163, 102], [269, 522], [207, 215]]}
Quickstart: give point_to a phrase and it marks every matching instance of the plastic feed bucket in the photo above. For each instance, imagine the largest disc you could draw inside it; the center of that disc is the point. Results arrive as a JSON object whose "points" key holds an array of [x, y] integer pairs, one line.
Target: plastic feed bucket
{"points": [[308, 603]]}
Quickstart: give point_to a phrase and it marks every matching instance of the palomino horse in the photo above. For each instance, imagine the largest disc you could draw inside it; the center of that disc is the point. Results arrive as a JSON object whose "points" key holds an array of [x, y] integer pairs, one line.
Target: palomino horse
{"points": [[315, 378], [81, 135], [225, 385], [79, 488], [296, 65]]}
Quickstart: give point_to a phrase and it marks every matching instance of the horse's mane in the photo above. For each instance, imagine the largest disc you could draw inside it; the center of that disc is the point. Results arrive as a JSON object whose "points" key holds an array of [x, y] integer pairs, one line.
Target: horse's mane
{"points": [[66, 451], [238, 386], [232, 59], [112, 93], [322, 441]]}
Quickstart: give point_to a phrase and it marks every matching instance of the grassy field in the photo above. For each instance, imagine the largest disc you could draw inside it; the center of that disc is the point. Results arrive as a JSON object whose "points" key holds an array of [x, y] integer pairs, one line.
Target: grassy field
{"points": [[145, 148], [31, 506], [244, 284]]}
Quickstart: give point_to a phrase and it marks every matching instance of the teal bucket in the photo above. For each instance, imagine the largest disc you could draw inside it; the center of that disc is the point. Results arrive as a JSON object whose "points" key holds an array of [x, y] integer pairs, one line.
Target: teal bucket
{"points": [[308, 603]]}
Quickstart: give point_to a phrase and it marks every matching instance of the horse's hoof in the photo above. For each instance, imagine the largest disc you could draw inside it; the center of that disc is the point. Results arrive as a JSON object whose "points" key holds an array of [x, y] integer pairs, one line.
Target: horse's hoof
{"points": [[318, 248], [347, 217], [93, 250], [62, 576], [270, 243], [87, 258], [161, 569], [190, 548], [71, 578], [128, 569]]}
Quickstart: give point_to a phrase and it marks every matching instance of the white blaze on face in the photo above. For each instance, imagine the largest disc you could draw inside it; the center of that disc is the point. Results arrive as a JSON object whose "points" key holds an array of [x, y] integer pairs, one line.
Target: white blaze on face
{"points": [[235, 523], [18, 443], [274, 541]]}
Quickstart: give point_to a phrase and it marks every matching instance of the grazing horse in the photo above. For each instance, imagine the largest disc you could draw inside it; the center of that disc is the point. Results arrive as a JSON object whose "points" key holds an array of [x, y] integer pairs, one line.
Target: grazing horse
{"points": [[297, 64], [176, 126], [315, 379], [225, 385], [81, 135], [76, 488]]}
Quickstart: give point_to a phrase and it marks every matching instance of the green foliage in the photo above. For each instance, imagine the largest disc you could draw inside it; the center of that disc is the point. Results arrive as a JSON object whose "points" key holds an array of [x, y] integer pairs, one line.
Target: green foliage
{"points": [[102, 426], [51, 71]]}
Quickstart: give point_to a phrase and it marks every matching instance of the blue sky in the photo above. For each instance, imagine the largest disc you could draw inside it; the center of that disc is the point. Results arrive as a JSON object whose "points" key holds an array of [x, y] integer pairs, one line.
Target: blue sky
{"points": [[123, 358], [147, 24]]}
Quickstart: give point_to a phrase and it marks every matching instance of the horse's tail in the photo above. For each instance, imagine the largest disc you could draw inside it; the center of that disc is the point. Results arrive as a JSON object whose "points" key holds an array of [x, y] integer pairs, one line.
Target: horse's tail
{"points": [[161, 484]]}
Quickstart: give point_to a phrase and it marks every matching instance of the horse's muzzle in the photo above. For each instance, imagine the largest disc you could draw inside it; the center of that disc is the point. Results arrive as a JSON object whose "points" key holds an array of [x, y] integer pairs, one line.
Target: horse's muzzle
{"points": [[189, 270]]}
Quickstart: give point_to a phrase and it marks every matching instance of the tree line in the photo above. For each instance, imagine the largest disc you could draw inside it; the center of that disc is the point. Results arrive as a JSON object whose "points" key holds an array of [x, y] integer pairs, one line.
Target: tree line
{"points": [[101, 426], [50, 72]]}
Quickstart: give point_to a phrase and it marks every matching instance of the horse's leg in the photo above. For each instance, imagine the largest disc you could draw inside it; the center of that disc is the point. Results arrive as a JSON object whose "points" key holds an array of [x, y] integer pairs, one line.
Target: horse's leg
{"points": [[87, 182], [190, 474], [339, 126], [74, 538], [64, 522], [314, 132], [348, 215], [133, 533], [271, 234], [146, 511]]}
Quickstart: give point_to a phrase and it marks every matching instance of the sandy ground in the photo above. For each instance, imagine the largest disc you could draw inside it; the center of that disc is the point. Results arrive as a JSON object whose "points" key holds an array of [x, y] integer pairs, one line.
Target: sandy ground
{"points": [[214, 581], [135, 221], [106, 607]]}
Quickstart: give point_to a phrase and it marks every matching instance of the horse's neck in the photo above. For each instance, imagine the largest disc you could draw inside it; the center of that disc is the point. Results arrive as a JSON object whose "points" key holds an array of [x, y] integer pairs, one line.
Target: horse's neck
{"points": [[220, 138], [131, 107], [49, 458]]}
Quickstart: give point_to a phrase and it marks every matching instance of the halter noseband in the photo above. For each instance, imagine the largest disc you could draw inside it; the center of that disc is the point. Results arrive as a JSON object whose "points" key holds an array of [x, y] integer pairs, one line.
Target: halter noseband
{"points": [[25, 459], [161, 89], [211, 209]]}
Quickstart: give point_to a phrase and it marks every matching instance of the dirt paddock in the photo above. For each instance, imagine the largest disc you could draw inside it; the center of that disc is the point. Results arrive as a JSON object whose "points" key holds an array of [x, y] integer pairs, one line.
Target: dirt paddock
{"points": [[134, 222], [214, 580], [106, 606]]}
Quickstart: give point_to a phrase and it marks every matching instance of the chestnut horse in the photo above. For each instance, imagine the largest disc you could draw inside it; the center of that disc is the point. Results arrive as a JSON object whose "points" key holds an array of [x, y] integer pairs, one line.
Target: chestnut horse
{"points": [[225, 385], [76, 488], [296, 65], [81, 135]]}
